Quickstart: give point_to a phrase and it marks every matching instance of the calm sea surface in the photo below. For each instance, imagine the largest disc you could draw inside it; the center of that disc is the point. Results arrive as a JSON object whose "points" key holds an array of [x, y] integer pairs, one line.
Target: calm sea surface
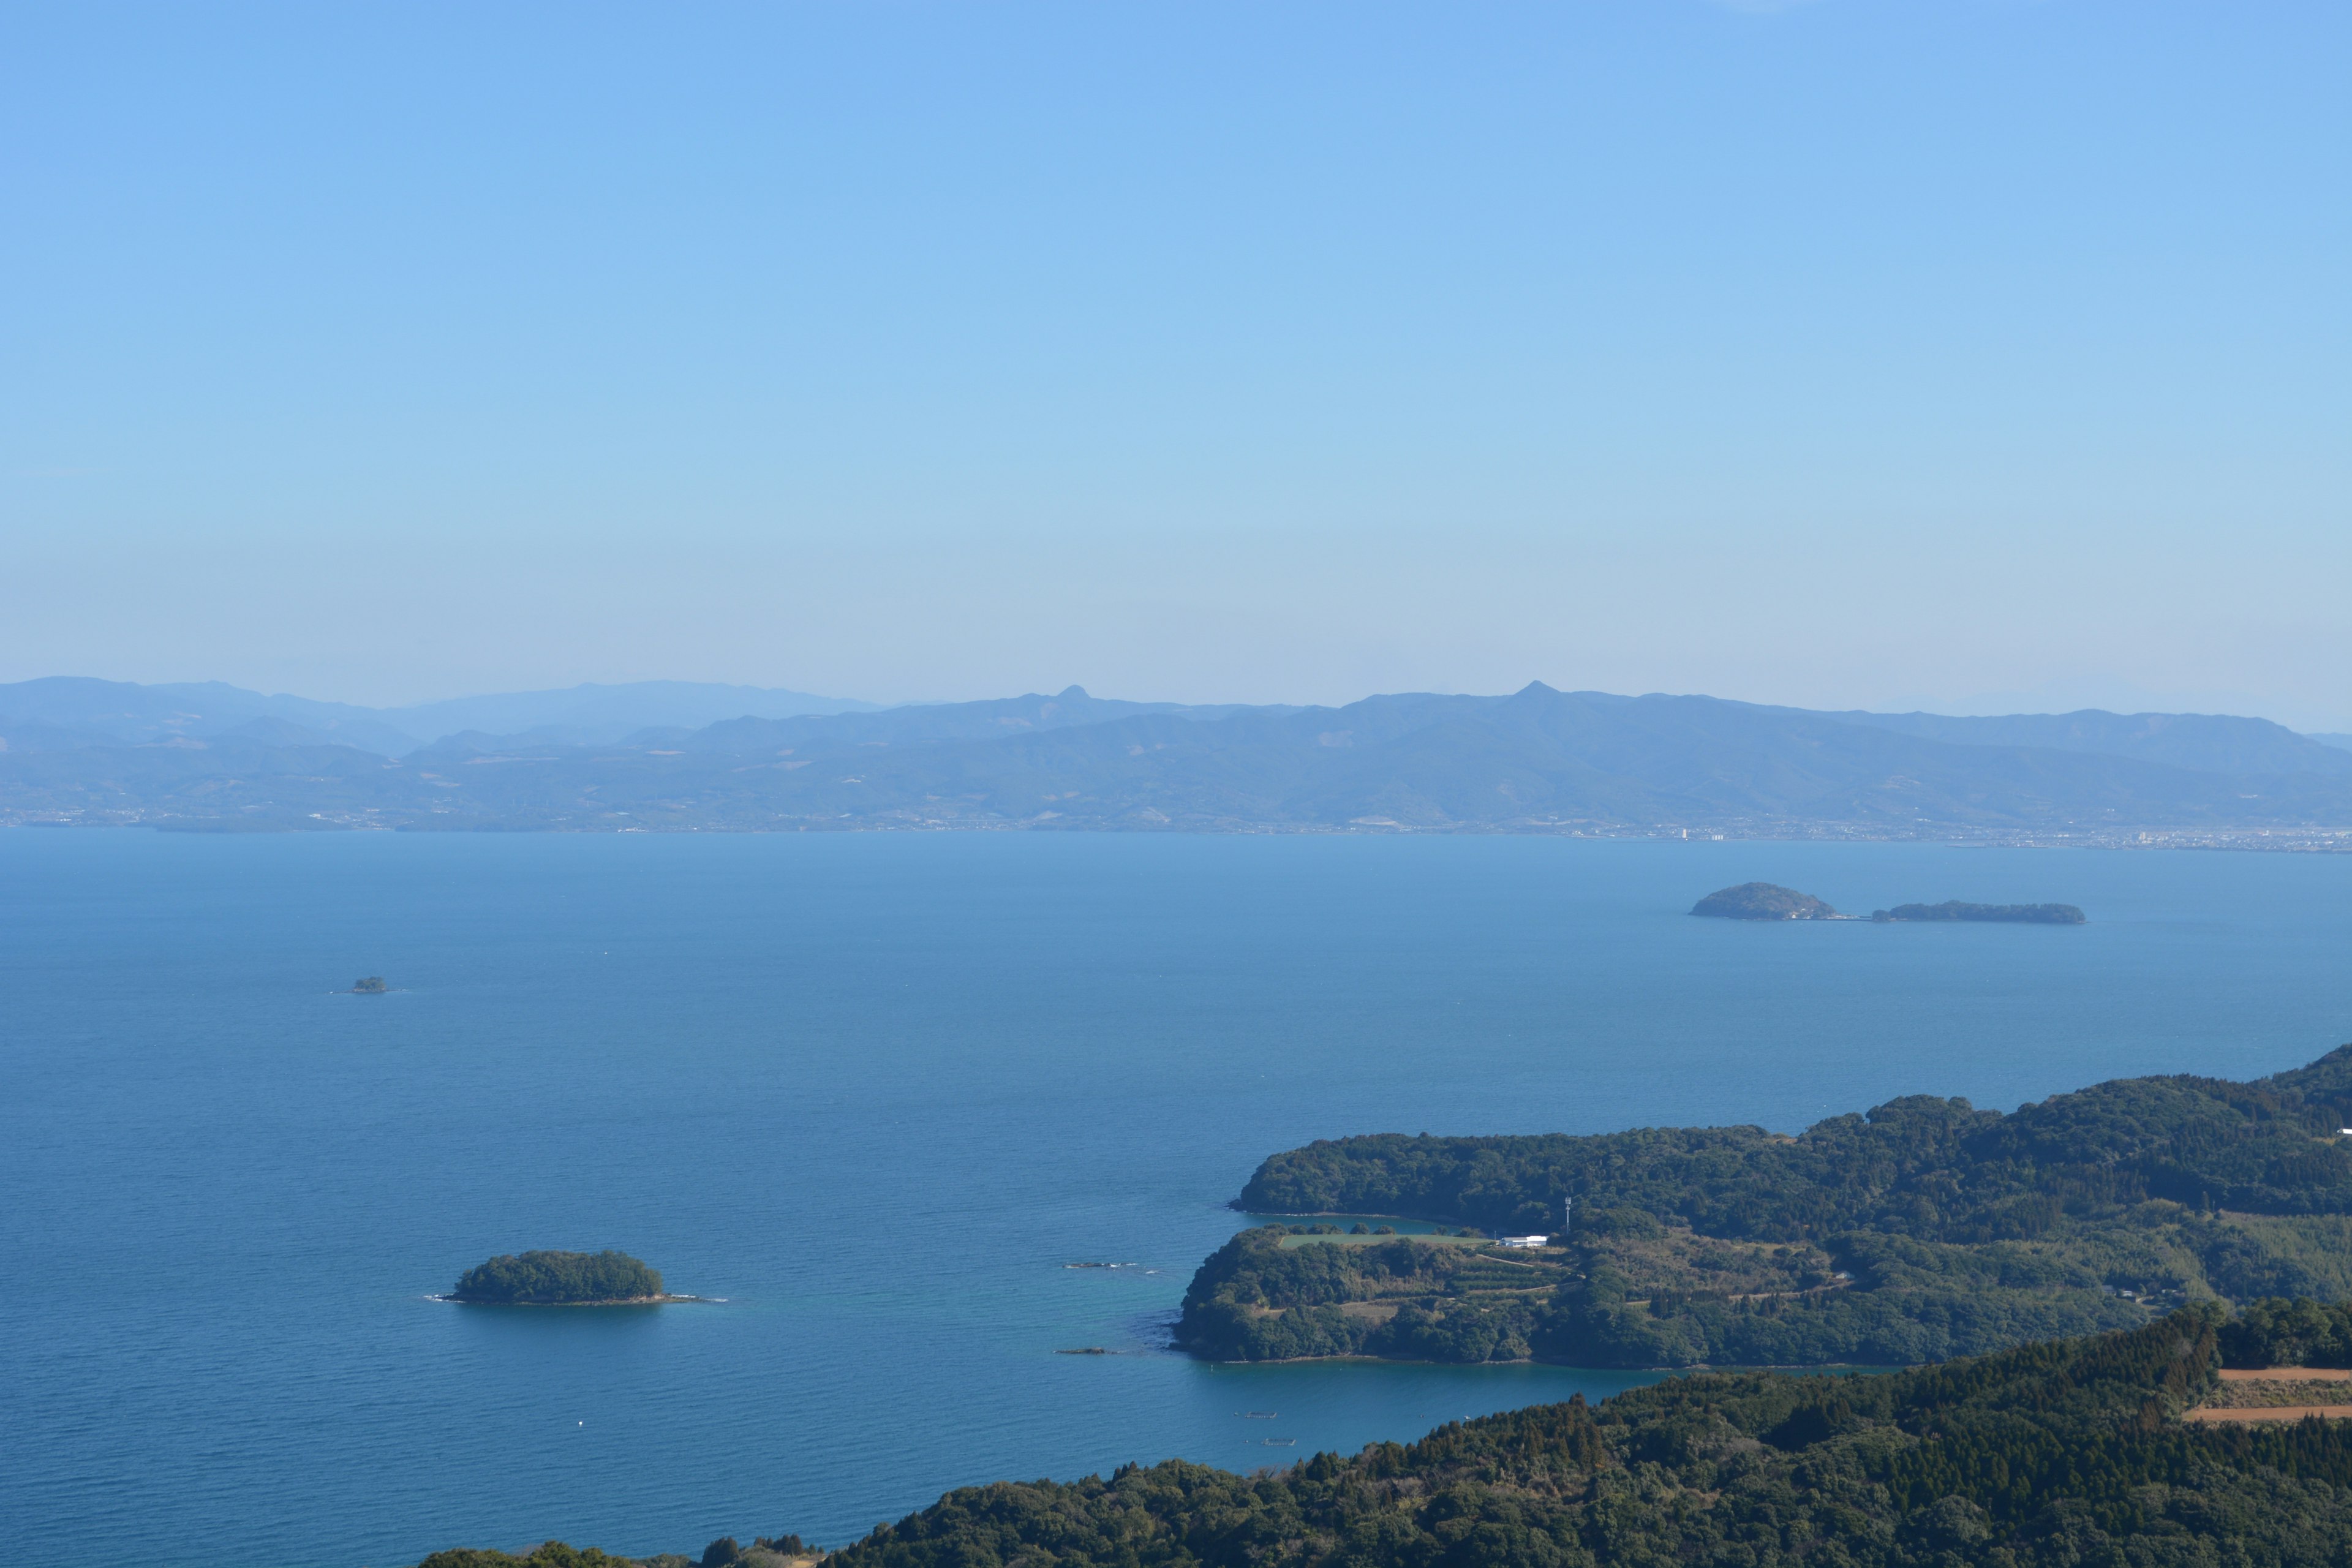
{"points": [[877, 1090]]}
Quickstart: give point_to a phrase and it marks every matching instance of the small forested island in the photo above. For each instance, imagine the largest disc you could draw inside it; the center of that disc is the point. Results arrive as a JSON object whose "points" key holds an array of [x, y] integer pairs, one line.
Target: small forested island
{"points": [[1927, 1228], [1953, 910], [371, 987], [605, 1279], [2078, 1453], [1763, 901]]}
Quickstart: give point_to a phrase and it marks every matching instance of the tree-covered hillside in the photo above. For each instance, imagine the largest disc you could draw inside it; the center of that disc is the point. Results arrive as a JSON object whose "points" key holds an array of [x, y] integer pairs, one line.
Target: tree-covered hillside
{"points": [[1669, 1298], [2067, 1454], [2064, 1454], [1924, 1229], [1936, 1169]]}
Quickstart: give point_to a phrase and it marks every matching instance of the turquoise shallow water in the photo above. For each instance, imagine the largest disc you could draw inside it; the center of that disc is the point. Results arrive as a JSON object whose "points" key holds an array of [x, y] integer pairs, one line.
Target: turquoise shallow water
{"points": [[877, 1090]]}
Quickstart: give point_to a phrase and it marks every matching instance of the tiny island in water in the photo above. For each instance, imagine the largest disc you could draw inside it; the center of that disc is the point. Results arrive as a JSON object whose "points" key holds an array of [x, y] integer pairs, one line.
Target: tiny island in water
{"points": [[606, 1279], [1770, 901], [372, 985]]}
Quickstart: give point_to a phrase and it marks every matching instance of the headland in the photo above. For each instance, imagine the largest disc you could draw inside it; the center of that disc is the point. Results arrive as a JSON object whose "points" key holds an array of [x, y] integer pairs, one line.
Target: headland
{"points": [[1926, 1228]]}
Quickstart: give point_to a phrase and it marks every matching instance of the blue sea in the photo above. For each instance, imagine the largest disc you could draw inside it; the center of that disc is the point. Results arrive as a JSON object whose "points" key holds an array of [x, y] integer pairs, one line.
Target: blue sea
{"points": [[877, 1091]]}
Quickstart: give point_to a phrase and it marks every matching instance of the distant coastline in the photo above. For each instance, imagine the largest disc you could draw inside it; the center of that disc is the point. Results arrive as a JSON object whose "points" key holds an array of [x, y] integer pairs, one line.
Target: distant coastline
{"points": [[1538, 761], [2272, 841]]}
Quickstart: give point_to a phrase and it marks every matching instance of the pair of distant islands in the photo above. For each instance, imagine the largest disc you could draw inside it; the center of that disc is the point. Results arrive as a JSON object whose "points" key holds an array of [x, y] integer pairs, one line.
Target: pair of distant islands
{"points": [[1770, 901]]}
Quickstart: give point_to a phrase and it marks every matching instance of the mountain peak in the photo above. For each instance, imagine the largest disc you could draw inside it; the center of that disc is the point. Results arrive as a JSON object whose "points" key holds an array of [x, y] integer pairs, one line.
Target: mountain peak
{"points": [[1072, 694]]}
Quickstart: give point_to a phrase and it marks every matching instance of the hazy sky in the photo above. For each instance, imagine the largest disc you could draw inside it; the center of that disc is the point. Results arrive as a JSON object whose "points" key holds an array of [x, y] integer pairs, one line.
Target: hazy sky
{"points": [[1974, 354]]}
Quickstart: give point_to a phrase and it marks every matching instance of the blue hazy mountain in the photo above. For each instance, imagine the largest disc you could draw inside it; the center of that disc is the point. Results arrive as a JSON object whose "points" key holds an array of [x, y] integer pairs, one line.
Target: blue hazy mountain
{"points": [[2210, 741], [1538, 760], [71, 711], [931, 722], [62, 712], [600, 715]]}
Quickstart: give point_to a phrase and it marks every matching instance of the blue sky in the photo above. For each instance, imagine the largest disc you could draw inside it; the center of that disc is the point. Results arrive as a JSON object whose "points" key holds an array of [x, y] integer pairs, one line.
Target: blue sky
{"points": [[1973, 354]]}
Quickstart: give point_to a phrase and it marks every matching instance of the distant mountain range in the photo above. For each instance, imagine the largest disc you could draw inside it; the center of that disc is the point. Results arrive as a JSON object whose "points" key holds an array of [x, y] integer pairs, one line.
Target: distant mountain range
{"points": [[677, 756], [70, 712]]}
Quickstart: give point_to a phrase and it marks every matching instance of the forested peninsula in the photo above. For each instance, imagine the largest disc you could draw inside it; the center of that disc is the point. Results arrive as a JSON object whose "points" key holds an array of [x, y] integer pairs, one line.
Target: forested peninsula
{"points": [[2068, 1453], [1924, 1229]]}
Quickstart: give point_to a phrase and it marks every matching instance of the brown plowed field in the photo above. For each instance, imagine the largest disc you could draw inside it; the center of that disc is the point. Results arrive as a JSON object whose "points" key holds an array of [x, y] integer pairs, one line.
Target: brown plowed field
{"points": [[2286, 1374]]}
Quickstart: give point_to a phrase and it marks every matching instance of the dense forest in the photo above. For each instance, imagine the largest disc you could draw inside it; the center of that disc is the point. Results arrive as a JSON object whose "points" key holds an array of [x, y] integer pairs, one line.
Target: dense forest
{"points": [[558, 1279], [1926, 1228], [2065, 1453]]}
